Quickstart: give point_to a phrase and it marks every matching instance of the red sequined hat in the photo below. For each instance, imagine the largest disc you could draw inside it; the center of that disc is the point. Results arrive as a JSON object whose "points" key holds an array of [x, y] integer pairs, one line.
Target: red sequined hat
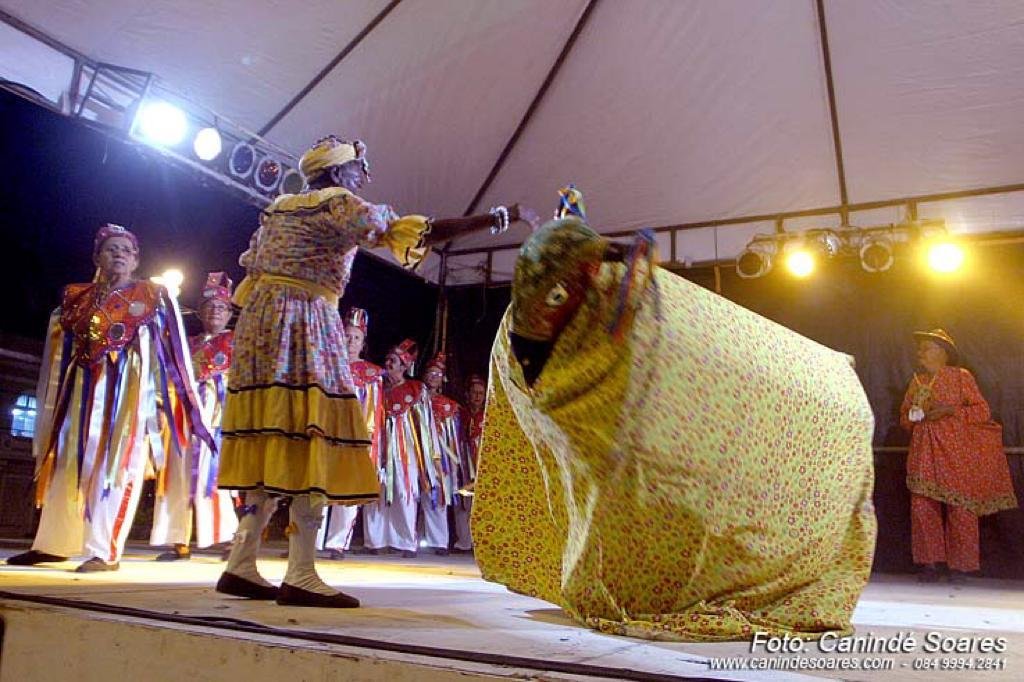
{"points": [[357, 317], [436, 363], [216, 288], [406, 352], [111, 230]]}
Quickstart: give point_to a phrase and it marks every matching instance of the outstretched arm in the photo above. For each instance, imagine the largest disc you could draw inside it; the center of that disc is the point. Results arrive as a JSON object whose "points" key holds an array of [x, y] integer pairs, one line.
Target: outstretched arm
{"points": [[447, 229]]}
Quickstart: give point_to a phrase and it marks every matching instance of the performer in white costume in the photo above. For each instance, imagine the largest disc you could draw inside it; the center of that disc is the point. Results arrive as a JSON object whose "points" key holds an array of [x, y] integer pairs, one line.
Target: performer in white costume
{"points": [[473, 426], [448, 422], [190, 482], [408, 451], [335, 535], [114, 346]]}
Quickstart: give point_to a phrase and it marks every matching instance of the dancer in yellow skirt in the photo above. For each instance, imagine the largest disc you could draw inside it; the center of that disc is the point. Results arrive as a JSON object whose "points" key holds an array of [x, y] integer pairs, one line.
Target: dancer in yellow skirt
{"points": [[663, 463], [292, 423]]}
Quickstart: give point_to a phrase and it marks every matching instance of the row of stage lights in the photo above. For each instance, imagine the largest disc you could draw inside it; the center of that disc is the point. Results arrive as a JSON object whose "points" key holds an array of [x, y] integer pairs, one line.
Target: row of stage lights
{"points": [[167, 126], [802, 254]]}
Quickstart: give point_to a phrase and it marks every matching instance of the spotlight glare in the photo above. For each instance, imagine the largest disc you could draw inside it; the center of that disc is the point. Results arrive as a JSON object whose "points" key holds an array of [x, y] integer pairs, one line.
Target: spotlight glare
{"points": [[171, 279], [162, 124], [800, 263], [207, 144], [945, 257]]}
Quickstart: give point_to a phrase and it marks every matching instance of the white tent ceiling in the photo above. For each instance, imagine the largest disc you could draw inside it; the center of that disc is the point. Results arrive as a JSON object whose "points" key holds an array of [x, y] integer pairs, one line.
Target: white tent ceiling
{"points": [[664, 112]]}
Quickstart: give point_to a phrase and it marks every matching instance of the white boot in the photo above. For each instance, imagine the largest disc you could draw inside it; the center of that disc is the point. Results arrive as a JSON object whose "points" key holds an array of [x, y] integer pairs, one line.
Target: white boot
{"points": [[241, 577], [302, 586]]}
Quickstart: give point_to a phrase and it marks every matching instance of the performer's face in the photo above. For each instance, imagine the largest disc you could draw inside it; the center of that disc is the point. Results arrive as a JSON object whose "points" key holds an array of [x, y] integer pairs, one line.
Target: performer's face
{"points": [[394, 366], [355, 338], [349, 175], [117, 258], [434, 378], [477, 395], [215, 315], [931, 355]]}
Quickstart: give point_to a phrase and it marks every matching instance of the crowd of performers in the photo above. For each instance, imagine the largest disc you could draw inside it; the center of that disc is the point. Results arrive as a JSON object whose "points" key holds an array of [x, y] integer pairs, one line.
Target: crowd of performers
{"points": [[746, 506], [282, 406]]}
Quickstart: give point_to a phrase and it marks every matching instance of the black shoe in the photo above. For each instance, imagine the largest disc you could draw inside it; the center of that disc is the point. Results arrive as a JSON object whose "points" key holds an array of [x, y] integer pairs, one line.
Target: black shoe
{"points": [[237, 586], [289, 595], [441, 551], [408, 554], [335, 554], [957, 577], [96, 565], [174, 555], [929, 574], [33, 557]]}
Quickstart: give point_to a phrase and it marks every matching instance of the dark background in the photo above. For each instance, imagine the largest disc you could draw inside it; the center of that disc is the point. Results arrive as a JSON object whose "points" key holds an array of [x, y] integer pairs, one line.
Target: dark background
{"points": [[60, 180]]}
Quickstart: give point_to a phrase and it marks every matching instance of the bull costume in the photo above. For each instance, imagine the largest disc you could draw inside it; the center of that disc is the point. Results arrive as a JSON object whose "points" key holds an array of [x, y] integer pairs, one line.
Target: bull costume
{"points": [[663, 463], [335, 535], [293, 423], [114, 354], [190, 483]]}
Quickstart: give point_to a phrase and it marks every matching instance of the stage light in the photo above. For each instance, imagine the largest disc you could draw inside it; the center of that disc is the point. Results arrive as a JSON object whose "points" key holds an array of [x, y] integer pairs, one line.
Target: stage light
{"points": [[207, 144], [162, 124], [292, 182], [828, 242], [876, 254], [800, 262], [171, 279], [945, 257], [242, 161], [756, 260], [268, 174]]}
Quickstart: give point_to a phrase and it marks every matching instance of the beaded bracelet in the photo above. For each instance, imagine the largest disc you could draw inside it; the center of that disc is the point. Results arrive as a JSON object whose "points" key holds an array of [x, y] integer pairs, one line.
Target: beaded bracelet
{"points": [[501, 214]]}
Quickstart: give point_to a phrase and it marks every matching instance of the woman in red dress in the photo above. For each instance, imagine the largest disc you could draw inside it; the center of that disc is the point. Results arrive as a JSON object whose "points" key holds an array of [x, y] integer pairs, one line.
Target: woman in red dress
{"points": [[956, 468]]}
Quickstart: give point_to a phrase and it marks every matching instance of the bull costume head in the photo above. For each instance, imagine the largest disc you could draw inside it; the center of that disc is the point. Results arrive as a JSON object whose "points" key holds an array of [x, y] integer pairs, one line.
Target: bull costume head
{"points": [[555, 270]]}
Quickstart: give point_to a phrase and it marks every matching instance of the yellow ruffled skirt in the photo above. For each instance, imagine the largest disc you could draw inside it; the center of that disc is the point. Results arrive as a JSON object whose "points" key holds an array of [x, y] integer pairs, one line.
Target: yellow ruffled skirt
{"points": [[292, 422]]}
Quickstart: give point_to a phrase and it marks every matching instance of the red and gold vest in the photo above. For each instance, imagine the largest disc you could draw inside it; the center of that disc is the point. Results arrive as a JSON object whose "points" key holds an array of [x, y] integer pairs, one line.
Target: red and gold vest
{"points": [[364, 372], [211, 354], [476, 426], [444, 408], [105, 321], [398, 399]]}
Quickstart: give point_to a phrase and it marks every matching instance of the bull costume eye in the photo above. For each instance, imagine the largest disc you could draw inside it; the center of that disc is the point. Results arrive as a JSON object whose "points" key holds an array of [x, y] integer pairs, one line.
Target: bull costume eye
{"points": [[557, 296]]}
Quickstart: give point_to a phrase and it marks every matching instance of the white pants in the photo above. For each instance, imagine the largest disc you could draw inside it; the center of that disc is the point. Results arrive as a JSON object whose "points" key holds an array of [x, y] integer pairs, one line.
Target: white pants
{"points": [[63, 528], [172, 512], [463, 538], [215, 520], [336, 527], [435, 524], [394, 525]]}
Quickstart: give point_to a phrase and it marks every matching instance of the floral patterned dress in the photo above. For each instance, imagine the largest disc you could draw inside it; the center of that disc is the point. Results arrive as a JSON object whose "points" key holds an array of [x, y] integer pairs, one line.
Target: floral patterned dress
{"points": [[707, 476], [293, 423], [958, 459]]}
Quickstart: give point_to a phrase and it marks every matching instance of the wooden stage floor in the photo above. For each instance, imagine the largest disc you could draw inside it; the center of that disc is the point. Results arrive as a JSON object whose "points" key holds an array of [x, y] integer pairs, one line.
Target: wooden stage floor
{"points": [[425, 618]]}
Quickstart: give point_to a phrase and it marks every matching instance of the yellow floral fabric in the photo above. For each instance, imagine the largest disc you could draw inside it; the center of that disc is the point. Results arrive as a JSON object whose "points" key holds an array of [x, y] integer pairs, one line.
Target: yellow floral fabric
{"points": [[706, 478]]}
